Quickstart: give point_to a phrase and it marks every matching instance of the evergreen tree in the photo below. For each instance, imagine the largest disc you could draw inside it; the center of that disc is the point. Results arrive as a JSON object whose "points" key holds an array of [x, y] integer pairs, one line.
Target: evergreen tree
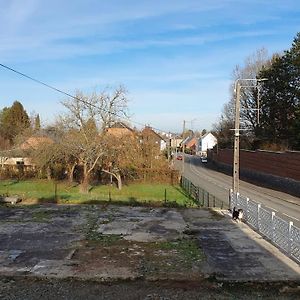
{"points": [[280, 99], [13, 121]]}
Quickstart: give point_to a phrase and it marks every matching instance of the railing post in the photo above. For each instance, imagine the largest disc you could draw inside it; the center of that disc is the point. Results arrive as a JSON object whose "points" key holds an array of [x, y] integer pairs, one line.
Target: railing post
{"points": [[258, 215], [290, 238], [246, 212], [273, 227], [230, 198]]}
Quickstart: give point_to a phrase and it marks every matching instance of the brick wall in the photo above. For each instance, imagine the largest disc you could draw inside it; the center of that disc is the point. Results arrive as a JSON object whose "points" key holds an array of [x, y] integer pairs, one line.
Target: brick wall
{"points": [[282, 164]]}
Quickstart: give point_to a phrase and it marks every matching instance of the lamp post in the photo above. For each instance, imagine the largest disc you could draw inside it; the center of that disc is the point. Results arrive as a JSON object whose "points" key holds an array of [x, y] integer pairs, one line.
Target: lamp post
{"points": [[236, 147]]}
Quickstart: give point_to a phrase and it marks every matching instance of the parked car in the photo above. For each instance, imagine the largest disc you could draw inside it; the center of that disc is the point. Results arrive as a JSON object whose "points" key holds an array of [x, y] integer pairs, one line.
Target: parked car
{"points": [[179, 157], [204, 159]]}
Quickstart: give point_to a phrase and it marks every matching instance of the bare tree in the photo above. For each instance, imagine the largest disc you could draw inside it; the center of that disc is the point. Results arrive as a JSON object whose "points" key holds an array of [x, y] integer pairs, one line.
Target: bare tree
{"points": [[250, 92], [87, 117], [251, 68]]}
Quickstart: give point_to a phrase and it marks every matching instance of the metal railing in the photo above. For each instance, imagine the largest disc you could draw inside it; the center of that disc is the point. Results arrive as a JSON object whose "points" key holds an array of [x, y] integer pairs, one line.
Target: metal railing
{"points": [[200, 196], [283, 234]]}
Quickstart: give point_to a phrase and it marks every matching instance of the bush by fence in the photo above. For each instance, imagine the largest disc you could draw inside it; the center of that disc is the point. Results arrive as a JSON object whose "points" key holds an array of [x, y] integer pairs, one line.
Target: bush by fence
{"points": [[17, 172]]}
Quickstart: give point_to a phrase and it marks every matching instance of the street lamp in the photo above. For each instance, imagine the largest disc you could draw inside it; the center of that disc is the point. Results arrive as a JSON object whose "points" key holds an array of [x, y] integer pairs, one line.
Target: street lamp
{"points": [[236, 148]]}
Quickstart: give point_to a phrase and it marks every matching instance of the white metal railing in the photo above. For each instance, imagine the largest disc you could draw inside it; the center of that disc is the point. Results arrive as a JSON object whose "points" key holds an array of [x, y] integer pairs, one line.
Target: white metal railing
{"points": [[283, 234]]}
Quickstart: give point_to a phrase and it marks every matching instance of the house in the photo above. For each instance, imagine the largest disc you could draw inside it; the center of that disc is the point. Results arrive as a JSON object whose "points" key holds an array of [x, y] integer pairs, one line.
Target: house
{"points": [[149, 136], [120, 129], [206, 142], [19, 156], [176, 142], [35, 141], [190, 144], [14, 161]]}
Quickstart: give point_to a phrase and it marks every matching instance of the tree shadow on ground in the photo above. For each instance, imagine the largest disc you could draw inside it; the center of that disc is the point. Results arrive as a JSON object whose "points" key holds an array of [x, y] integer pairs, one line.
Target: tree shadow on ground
{"points": [[53, 199]]}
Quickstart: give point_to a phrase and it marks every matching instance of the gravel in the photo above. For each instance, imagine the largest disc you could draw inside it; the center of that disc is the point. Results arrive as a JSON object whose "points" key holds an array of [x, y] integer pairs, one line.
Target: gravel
{"points": [[33, 288]]}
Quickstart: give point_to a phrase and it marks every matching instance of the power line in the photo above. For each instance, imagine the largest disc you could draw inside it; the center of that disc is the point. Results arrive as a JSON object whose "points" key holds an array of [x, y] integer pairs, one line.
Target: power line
{"points": [[71, 96]]}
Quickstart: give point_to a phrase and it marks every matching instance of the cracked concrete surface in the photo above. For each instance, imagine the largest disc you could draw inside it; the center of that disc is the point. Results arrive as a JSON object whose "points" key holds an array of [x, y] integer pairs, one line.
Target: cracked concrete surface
{"points": [[114, 242]]}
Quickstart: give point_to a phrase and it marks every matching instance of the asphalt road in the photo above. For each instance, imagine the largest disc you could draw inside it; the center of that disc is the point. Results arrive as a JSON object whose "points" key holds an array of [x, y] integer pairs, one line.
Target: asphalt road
{"points": [[218, 184]]}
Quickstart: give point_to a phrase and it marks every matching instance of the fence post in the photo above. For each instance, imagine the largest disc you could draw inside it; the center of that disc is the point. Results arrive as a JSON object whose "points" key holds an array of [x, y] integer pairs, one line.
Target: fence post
{"points": [[273, 227], [290, 238], [207, 199], [55, 191], [246, 212], [165, 196], [214, 201], [258, 215]]}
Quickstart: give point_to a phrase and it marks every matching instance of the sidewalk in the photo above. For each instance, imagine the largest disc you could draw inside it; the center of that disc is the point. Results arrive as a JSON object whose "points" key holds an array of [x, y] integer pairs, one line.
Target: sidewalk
{"points": [[109, 243]]}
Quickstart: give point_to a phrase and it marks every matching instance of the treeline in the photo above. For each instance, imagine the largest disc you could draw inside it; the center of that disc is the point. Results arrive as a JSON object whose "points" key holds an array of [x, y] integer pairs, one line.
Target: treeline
{"points": [[83, 144], [270, 111]]}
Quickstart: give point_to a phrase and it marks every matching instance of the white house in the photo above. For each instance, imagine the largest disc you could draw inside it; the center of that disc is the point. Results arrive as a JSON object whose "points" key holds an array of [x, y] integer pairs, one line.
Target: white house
{"points": [[207, 141]]}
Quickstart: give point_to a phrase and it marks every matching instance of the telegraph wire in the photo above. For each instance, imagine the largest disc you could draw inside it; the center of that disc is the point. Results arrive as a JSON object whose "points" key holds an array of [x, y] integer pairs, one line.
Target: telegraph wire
{"points": [[72, 96]]}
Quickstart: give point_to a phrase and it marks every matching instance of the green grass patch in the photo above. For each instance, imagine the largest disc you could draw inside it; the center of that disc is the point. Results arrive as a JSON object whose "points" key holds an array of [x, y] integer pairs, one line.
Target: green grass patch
{"points": [[133, 194], [172, 259], [105, 240], [187, 249]]}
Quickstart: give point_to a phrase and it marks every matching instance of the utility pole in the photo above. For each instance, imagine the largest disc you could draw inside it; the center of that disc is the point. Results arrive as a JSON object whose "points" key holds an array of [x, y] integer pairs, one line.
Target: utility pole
{"points": [[183, 146], [169, 146], [236, 148]]}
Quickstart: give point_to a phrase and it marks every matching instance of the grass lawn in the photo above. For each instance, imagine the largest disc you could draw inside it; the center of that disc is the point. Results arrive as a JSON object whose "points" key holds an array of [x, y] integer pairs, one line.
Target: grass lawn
{"points": [[44, 191]]}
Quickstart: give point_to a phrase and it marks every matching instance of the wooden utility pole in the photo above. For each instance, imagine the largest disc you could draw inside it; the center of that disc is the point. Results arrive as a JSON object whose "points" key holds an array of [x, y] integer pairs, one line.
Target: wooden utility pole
{"points": [[236, 150]]}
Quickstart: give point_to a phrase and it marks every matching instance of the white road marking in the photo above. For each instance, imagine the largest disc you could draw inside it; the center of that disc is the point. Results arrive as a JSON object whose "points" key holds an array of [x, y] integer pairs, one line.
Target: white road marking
{"points": [[291, 217], [271, 208], [195, 171]]}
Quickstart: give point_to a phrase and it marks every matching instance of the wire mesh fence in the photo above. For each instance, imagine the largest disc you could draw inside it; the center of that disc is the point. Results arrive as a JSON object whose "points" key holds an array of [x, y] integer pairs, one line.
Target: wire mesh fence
{"points": [[282, 233], [202, 197]]}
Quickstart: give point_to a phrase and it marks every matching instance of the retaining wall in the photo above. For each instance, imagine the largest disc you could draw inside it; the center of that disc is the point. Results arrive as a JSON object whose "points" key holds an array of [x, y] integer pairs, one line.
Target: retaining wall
{"points": [[279, 170]]}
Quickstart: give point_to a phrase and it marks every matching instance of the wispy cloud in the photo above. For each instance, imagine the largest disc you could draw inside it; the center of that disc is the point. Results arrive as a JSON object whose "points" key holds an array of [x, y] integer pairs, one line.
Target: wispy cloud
{"points": [[165, 52]]}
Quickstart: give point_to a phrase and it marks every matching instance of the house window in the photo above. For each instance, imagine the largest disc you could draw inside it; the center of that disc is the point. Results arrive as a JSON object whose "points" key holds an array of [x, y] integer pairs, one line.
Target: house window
{"points": [[20, 162]]}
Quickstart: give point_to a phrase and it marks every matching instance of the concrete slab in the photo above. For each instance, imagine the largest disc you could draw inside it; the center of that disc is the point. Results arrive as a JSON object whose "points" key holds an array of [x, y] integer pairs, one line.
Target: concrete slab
{"points": [[112, 242]]}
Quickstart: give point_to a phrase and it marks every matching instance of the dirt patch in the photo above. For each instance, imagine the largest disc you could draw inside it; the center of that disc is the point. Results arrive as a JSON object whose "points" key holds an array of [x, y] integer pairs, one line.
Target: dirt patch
{"points": [[35, 289], [176, 260]]}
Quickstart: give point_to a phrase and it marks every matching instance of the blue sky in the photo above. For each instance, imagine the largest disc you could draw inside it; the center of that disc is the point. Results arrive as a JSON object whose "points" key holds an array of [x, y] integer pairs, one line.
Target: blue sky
{"points": [[175, 57]]}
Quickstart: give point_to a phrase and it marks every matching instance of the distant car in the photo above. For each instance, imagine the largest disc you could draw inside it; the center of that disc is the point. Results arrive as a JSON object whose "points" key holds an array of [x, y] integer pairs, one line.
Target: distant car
{"points": [[204, 159], [179, 157]]}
